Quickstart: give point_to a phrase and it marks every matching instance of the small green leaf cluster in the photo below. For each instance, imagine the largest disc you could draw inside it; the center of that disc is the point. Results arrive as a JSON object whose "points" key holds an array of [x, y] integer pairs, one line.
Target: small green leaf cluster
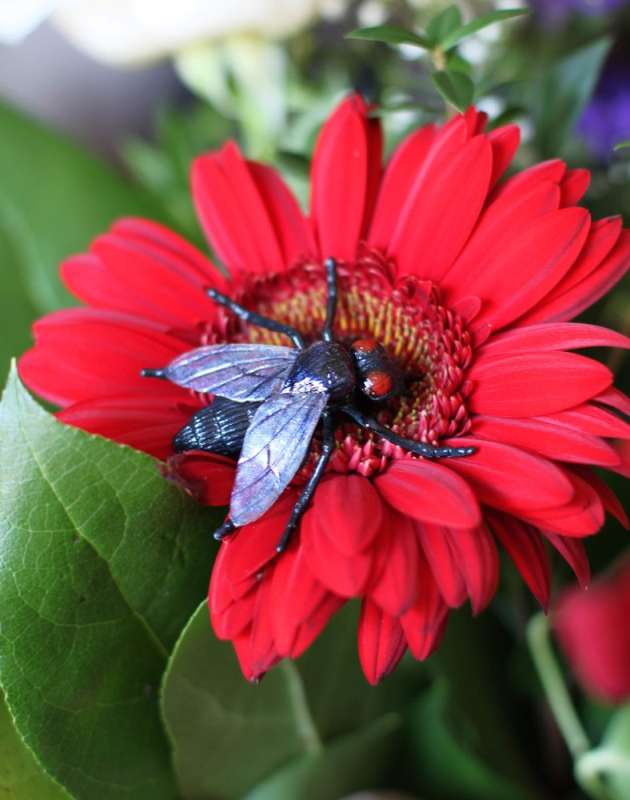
{"points": [[440, 38]]}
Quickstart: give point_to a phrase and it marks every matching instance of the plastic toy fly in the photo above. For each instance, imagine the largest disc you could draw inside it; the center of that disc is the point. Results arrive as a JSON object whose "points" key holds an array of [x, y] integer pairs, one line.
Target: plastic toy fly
{"points": [[270, 399]]}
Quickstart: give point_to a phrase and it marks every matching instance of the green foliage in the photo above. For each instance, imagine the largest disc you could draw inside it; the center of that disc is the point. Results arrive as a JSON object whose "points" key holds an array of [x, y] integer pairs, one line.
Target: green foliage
{"points": [[300, 733], [101, 563], [455, 87], [21, 777], [390, 34], [457, 34], [559, 97], [54, 198], [444, 24], [452, 766], [625, 145]]}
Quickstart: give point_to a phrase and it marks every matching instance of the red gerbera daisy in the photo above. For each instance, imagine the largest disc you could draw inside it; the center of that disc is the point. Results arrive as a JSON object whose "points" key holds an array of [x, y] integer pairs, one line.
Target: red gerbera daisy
{"points": [[465, 280]]}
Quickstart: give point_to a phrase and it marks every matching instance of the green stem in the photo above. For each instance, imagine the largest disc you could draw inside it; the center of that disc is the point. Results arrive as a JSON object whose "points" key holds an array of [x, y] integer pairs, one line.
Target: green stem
{"points": [[555, 688], [587, 765]]}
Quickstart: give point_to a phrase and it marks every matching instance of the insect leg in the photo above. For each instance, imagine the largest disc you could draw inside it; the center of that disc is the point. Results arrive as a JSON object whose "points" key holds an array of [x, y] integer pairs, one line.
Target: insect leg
{"points": [[419, 448], [331, 303], [252, 318], [226, 529], [328, 445]]}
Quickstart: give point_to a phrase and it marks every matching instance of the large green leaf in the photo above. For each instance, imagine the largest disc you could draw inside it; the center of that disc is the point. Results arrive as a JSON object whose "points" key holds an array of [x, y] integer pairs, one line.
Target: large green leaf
{"points": [[54, 197], [455, 87], [21, 777], [446, 765], [101, 563], [391, 34], [356, 761], [559, 97], [230, 736]]}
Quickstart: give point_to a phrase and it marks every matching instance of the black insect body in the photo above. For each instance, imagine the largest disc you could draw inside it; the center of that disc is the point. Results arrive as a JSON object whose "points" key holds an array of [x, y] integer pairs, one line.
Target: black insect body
{"points": [[218, 428], [270, 399]]}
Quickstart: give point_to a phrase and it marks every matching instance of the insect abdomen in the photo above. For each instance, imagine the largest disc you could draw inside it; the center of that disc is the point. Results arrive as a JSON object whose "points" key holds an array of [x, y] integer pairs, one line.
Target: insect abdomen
{"points": [[218, 428]]}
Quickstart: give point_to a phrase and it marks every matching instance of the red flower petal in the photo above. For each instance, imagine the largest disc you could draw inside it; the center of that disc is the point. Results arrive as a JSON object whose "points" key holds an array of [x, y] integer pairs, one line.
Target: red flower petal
{"points": [[340, 180], [574, 186], [509, 479], [575, 294], [397, 182], [208, 475], [539, 257], [233, 212], [503, 219], [345, 575], [615, 399], [443, 561], [146, 422], [429, 492], [253, 545], [582, 516], [314, 624], [510, 386], [396, 586], [525, 547], [442, 208], [478, 561], [553, 336], [540, 436], [293, 231], [574, 553], [167, 245], [83, 353], [381, 642], [504, 142], [589, 418], [592, 628], [295, 596], [424, 624], [166, 293]]}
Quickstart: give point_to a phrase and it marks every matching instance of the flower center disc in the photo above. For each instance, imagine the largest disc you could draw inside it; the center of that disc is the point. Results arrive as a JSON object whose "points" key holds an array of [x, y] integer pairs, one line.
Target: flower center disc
{"points": [[429, 341]]}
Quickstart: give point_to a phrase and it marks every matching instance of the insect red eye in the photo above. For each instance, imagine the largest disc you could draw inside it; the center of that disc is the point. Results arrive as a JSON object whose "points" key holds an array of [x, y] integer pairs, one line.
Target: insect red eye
{"points": [[377, 384], [364, 345]]}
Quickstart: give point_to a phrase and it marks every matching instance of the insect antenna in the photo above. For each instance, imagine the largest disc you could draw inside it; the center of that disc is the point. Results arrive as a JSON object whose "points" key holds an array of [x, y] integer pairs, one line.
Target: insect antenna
{"points": [[331, 302], [252, 318]]}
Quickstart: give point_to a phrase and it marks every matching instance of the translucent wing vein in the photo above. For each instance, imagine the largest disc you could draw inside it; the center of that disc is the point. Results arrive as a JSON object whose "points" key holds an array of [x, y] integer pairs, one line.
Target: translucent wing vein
{"points": [[238, 372], [275, 445]]}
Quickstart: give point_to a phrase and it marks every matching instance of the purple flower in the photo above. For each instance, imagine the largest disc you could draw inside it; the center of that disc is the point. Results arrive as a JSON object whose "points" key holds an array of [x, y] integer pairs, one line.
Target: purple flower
{"points": [[554, 12], [606, 119]]}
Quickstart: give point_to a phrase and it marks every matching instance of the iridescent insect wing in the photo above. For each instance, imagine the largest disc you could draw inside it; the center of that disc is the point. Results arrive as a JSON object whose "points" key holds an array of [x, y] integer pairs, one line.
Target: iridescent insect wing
{"points": [[238, 372], [275, 446]]}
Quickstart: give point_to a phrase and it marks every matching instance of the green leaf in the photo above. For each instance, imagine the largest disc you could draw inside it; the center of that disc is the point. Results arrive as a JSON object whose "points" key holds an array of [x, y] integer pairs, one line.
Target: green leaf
{"points": [[443, 24], [101, 563], [21, 777], [353, 762], [605, 771], [229, 736], [560, 96], [447, 765], [54, 198], [479, 23], [391, 34], [455, 87], [622, 145]]}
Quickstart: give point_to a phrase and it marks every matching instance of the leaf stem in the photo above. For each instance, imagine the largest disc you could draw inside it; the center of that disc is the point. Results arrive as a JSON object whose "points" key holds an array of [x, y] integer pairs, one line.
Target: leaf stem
{"points": [[587, 765], [555, 688]]}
